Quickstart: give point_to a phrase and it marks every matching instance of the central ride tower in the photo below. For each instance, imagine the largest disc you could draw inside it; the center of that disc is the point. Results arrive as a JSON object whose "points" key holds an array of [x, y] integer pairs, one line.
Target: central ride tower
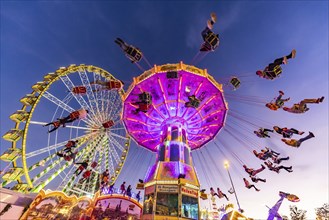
{"points": [[172, 110]]}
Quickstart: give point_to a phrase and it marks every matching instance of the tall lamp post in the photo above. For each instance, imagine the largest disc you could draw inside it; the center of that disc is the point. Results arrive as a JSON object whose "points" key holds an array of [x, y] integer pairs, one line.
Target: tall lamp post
{"points": [[226, 165]]}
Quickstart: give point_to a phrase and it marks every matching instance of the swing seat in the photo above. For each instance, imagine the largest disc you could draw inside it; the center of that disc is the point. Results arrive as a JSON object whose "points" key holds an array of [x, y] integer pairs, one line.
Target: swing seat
{"points": [[79, 90], [74, 115], [143, 107], [275, 73], [114, 84], [211, 42], [94, 164], [172, 75], [134, 54], [145, 97], [272, 106], [203, 196], [86, 174], [108, 124], [235, 82], [140, 186], [193, 102], [67, 158]]}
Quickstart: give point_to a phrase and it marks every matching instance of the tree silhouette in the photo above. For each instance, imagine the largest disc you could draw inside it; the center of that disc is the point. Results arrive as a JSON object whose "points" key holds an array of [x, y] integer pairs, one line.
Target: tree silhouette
{"points": [[322, 213], [297, 214]]}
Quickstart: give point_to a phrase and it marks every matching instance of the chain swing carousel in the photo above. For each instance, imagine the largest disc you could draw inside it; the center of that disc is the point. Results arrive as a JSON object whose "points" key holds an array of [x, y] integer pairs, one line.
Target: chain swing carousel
{"points": [[172, 110]]}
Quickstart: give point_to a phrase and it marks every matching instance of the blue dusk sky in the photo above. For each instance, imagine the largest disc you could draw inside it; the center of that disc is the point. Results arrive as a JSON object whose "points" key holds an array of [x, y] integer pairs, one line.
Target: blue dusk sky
{"points": [[38, 37]]}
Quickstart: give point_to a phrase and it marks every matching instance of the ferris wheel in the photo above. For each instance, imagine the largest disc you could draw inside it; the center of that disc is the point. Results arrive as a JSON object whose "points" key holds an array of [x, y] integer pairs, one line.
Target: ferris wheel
{"points": [[39, 158]]}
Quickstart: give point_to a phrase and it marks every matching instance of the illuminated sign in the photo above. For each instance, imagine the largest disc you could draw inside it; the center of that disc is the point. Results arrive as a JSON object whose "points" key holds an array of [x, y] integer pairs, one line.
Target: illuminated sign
{"points": [[149, 190], [190, 192], [167, 188]]}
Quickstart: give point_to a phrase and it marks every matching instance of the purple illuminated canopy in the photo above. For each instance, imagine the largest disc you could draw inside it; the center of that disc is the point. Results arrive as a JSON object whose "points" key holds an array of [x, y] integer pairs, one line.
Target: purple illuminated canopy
{"points": [[169, 96]]}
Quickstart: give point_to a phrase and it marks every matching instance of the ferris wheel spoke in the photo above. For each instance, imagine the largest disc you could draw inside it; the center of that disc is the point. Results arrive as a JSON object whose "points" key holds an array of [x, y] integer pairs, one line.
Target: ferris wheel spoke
{"points": [[6, 182], [104, 101], [90, 94], [116, 119], [62, 104], [114, 153], [82, 102], [41, 162], [119, 136], [99, 97], [116, 110], [42, 173], [96, 178], [67, 126], [91, 149], [117, 105], [88, 150], [59, 102], [106, 162], [56, 173], [106, 104], [53, 147], [67, 178], [54, 165], [50, 157], [96, 76], [111, 100], [86, 186], [116, 143], [110, 164], [116, 129]]}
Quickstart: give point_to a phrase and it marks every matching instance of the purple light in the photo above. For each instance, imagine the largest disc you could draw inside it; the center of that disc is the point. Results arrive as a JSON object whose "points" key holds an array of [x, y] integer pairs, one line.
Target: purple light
{"points": [[168, 106]]}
